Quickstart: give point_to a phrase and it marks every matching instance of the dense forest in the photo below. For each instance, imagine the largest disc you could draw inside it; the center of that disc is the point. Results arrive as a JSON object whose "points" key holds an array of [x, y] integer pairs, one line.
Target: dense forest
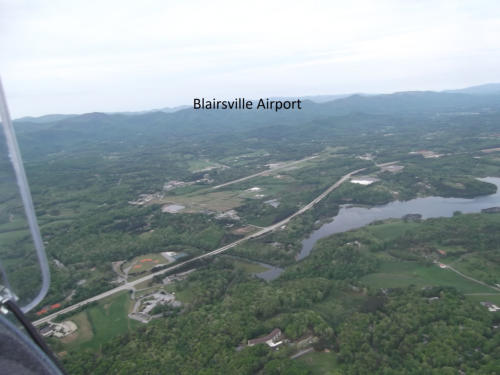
{"points": [[434, 329]]}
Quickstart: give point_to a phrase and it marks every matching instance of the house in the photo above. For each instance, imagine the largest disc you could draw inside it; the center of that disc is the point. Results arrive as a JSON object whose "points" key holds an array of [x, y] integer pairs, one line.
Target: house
{"points": [[271, 339], [47, 331], [490, 306]]}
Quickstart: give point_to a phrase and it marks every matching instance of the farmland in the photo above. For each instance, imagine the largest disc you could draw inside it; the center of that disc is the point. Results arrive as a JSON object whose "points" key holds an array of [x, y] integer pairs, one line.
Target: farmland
{"points": [[98, 324], [402, 274]]}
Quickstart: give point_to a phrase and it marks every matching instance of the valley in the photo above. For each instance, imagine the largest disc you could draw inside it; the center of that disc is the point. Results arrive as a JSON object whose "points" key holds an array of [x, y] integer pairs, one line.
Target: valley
{"points": [[165, 232]]}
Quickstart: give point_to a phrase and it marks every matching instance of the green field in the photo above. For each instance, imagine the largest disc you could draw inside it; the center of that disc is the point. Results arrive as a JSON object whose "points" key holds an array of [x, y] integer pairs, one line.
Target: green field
{"points": [[18, 223], [84, 332], [250, 155], [184, 295], [198, 165], [478, 266], [320, 363], [494, 298], [101, 323], [391, 229], [12, 236], [249, 267], [401, 274]]}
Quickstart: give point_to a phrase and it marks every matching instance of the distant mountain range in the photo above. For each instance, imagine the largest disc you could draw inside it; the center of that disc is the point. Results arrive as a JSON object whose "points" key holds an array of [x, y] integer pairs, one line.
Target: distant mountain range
{"points": [[57, 117], [44, 118], [51, 134], [470, 98], [487, 89]]}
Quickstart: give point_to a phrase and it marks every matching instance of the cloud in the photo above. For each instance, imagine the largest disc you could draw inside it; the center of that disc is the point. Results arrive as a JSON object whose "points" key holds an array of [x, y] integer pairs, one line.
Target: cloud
{"points": [[81, 56]]}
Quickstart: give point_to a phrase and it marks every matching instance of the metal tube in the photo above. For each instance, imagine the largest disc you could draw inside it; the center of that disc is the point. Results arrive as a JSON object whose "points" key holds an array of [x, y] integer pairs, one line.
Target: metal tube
{"points": [[22, 182]]}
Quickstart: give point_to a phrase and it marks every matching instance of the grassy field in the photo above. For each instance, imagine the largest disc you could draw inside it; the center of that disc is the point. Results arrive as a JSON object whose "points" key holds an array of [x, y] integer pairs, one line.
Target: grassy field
{"points": [[490, 297], [249, 267], [478, 266], [184, 295], [148, 284], [320, 363], [18, 223], [198, 165], [84, 332], [214, 201], [271, 186], [234, 159], [391, 229], [12, 236], [400, 274], [101, 323]]}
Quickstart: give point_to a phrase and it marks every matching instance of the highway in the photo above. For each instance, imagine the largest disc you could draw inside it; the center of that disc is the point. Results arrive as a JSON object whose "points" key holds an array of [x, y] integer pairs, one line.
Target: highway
{"points": [[130, 285]]}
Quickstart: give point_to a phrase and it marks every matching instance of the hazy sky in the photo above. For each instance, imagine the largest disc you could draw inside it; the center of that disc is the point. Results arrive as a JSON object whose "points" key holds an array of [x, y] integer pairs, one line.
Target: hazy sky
{"points": [[75, 56]]}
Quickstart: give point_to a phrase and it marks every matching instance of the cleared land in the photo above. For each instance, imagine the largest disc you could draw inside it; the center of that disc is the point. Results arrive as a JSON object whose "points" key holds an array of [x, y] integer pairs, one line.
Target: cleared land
{"points": [[201, 165], [277, 167], [400, 274], [478, 266], [249, 267], [320, 363], [391, 229], [100, 323], [84, 330], [215, 201], [481, 297]]}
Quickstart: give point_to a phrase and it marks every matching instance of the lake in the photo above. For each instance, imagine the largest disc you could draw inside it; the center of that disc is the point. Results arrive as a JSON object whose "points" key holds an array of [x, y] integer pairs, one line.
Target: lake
{"points": [[351, 217]]}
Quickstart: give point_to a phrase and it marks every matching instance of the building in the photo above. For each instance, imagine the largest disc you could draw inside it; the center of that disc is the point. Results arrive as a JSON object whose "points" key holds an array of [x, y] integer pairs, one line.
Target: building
{"points": [[271, 339], [490, 306], [47, 331], [58, 329]]}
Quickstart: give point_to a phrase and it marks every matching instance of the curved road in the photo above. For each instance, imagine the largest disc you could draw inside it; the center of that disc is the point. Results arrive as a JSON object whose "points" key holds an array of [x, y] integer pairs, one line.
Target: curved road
{"points": [[130, 285]]}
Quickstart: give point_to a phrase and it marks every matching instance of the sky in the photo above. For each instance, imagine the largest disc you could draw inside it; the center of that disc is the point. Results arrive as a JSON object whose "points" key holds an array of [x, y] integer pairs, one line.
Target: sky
{"points": [[83, 56]]}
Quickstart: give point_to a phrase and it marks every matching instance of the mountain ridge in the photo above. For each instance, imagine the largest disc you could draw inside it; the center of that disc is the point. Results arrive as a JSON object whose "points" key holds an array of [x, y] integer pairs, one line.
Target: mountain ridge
{"points": [[487, 89]]}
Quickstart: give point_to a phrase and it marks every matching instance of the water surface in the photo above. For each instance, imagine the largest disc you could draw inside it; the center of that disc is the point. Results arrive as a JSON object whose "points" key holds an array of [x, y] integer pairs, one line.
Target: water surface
{"points": [[350, 217], [271, 274]]}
